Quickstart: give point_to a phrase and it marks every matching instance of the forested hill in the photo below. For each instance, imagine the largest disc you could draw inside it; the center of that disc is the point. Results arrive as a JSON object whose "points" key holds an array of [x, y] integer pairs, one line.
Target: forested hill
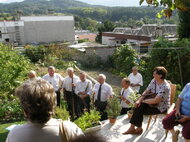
{"points": [[100, 13]]}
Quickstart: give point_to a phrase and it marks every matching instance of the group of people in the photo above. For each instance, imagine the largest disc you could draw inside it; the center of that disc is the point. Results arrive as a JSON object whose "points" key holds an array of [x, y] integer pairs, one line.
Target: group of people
{"points": [[39, 96]]}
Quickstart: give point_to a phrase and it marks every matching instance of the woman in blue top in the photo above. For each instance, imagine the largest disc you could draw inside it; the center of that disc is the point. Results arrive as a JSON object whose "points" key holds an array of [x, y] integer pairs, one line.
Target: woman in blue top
{"points": [[181, 115]]}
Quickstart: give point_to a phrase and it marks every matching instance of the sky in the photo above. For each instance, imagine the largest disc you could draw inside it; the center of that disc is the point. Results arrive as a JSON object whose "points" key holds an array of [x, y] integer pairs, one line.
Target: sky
{"points": [[97, 2]]}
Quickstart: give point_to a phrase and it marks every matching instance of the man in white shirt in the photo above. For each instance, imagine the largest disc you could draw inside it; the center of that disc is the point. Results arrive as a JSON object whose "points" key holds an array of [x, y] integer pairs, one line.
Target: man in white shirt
{"points": [[126, 91], [102, 92], [71, 98], [56, 80], [32, 76], [136, 80], [83, 90]]}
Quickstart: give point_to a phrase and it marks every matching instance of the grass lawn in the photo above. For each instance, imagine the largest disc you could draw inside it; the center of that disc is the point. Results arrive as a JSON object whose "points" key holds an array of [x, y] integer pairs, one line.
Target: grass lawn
{"points": [[4, 132]]}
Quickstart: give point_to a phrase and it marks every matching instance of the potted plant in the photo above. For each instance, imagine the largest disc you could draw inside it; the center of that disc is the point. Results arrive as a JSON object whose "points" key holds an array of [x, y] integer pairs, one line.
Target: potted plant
{"points": [[89, 121], [134, 97], [113, 109]]}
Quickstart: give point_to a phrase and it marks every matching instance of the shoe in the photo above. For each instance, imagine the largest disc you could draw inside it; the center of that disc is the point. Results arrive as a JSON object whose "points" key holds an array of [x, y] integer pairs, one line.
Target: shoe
{"points": [[175, 136], [129, 132], [138, 132]]}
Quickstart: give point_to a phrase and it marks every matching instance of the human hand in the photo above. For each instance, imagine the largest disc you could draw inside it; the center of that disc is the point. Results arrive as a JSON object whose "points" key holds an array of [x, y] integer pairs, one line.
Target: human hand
{"points": [[184, 118], [138, 103], [177, 113]]}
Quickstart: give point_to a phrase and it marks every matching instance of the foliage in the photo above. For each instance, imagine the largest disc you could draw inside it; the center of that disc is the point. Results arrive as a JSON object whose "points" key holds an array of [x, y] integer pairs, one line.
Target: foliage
{"points": [[13, 69], [61, 113], [133, 97], [114, 108], [105, 27], [123, 60], [88, 120], [10, 109], [172, 59]]}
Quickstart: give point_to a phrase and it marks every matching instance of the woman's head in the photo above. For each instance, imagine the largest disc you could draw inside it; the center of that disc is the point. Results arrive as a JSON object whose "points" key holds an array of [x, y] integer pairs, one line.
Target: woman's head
{"points": [[160, 72], [37, 100]]}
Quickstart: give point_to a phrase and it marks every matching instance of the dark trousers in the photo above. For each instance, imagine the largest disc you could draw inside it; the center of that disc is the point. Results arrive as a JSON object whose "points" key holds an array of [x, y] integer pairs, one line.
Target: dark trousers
{"points": [[72, 103], [58, 94], [124, 111], [84, 104], [169, 123], [101, 106], [143, 109]]}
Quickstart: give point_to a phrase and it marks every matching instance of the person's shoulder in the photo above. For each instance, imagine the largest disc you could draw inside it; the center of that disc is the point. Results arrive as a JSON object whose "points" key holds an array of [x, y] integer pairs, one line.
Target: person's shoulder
{"points": [[130, 74], [107, 85], [130, 90], [139, 74], [187, 85], [88, 80], [76, 77], [18, 129], [72, 128], [46, 75]]}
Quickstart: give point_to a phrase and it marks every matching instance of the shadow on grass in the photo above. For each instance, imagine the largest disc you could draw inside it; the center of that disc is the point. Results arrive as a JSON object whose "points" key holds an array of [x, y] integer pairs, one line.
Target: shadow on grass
{"points": [[3, 136]]}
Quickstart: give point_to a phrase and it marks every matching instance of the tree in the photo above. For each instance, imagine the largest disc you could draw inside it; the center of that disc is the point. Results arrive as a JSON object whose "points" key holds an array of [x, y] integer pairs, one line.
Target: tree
{"points": [[106, 26], [183, 7]]}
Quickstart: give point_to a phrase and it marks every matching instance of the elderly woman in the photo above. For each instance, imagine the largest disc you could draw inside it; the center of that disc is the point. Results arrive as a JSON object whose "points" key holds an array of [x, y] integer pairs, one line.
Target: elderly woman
{"points": [[38, 102], [181, 115], [160, 91]]}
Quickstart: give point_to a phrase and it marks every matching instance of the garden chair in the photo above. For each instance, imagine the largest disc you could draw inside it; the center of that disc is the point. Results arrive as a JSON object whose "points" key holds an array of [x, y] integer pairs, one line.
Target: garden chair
{"points": [[172, 105]]}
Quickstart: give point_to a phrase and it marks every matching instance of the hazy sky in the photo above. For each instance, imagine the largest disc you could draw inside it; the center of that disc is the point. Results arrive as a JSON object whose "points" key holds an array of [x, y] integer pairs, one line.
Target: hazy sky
{"points": [[97, 2]]}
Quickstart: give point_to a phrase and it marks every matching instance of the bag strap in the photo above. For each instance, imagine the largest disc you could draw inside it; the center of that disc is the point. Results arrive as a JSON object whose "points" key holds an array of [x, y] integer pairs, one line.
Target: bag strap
{"points": [[87, 86], [63, 132]]}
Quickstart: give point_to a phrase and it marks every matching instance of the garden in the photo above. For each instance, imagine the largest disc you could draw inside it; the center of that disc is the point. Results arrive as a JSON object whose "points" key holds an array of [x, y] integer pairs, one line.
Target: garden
{"points": [[14, 66]]}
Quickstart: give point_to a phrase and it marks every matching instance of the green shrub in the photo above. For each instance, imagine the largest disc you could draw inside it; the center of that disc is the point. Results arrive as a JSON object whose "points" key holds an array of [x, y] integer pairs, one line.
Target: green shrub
{"points": [[88, 120], [13, 69], [114, 107], [123, 60], [61, 113]]}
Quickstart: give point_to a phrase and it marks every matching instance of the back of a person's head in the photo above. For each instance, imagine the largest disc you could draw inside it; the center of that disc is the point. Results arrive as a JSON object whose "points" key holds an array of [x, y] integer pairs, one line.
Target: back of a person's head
{"points": [[89, 137], [37, 99]]}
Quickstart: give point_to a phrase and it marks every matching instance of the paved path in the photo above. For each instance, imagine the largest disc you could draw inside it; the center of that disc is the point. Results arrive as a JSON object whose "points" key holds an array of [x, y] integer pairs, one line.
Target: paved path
{"points": [[155, 133]]}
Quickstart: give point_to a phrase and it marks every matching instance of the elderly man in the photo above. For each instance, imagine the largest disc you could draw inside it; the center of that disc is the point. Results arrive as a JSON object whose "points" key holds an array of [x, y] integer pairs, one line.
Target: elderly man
{"points": [[83, 90], [56, 80], [136, 80], [102, 92], [69, 92], [32, 76]]}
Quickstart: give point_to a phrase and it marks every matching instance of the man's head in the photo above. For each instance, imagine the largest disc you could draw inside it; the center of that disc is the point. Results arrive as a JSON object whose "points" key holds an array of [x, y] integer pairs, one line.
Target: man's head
{"points": [[135, 70], [125, 83], [32, 74], [101, 78], [82, 76], [51, 70], [70, 72]]}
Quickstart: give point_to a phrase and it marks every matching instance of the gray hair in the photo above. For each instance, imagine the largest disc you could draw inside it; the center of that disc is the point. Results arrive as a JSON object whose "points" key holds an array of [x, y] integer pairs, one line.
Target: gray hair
{"points": [[135, 67], [70, 69], [32, 72], [51, 67], [103, 76]]}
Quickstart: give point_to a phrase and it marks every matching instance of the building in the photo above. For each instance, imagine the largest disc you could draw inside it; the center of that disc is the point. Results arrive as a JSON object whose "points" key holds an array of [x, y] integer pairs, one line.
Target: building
{"points": [[85, 35], [38, 30], [139, 37]]}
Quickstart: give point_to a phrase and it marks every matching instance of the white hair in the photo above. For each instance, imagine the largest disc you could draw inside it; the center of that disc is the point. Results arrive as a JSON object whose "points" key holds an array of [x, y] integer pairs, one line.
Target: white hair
{"points": [[135, 67], [32, 72], [51, 67], [70, 69], [103, 76]]}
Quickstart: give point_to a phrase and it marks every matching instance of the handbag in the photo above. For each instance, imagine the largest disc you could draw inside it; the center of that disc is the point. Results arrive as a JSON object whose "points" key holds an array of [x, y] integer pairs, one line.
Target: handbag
{"points": [[63, 132]]}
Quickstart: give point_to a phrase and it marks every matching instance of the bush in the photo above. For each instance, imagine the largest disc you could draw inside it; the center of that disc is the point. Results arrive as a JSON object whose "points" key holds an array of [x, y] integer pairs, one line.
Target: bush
{"points": [[88, 120], [13, 69], [61, 113], [123, 60], [113, 108]]}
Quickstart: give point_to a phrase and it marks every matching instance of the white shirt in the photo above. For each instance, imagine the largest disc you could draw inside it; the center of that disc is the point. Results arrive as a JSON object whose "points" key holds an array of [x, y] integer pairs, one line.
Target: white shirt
{"points": [[67, 84], [136, 79], [106, 91], [126, 94], [85, 86], [56, 80], [49, 132]]}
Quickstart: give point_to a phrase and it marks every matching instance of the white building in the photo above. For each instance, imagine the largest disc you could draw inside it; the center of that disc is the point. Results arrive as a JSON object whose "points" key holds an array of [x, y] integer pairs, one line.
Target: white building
{"points": [[38, 29]]}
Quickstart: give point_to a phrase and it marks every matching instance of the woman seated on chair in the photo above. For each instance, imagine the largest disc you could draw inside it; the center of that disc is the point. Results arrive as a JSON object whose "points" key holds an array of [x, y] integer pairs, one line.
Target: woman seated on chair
{"points": [[181, 115], [37, 99], [154, 100]]}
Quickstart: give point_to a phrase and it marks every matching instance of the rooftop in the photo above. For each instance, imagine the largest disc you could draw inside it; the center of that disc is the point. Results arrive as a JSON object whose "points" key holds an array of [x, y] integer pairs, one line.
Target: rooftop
{"points": [[46, 18]]}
